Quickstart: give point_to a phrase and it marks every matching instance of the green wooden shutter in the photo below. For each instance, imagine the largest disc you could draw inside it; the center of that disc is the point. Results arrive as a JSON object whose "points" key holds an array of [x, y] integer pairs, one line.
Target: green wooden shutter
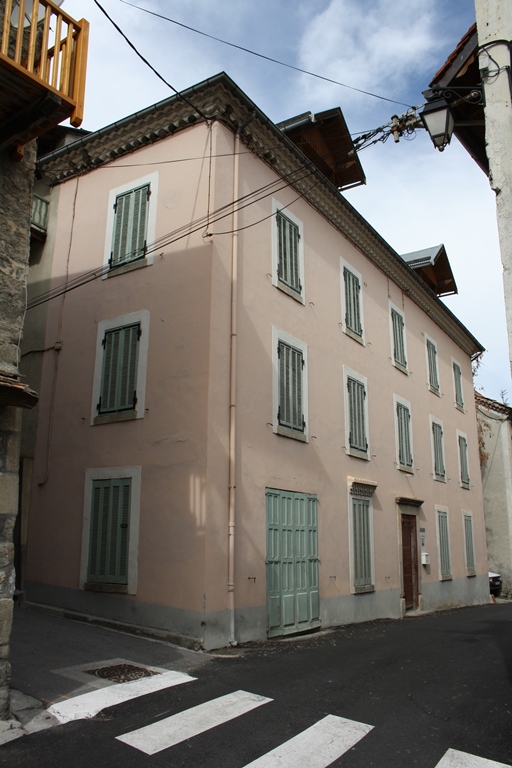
{"points": [[433, 378], [404, 436], [464, 467], [361, 534], [437, 437], [469, 541], [109, 532], [398, 339], [291, 363], [292, 562], [130, 225], [356, 403], [444, 544], [352, 302], [119, 373], [457, 377], [288, 236]]}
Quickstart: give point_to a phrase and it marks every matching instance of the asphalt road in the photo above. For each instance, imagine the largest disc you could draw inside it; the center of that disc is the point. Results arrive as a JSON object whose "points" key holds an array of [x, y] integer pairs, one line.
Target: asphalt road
{"points": [[426, 684]]}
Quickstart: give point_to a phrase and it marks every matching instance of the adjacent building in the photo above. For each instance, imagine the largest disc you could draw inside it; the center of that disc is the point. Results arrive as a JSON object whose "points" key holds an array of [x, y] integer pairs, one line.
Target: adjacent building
{"points": [[43, 55], [495, 435], [255, 418]]}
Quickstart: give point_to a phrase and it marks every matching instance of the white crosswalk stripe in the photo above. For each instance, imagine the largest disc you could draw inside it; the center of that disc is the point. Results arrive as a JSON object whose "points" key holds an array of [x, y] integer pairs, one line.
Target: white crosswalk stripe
{"points": [[184, 725], [90, 704], [317, 746], [455, 759]]}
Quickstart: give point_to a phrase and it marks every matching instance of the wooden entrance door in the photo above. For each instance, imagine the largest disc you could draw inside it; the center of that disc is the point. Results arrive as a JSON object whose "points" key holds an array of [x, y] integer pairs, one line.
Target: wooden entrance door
{"points": [[292, 562], [410, 561]]}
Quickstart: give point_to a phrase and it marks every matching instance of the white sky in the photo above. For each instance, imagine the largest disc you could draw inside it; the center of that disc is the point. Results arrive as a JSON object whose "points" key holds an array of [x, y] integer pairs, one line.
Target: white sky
{"points": [[415, 196]]}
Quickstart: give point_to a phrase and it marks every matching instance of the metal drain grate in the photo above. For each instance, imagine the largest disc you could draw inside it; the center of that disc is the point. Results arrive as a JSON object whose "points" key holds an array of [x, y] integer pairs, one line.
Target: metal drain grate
{"points": [[121, 673]]}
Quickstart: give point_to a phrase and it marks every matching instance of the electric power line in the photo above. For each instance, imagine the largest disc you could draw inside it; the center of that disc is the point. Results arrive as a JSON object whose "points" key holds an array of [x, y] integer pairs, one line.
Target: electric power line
{"points": [[267, 58], [152, 68], [178, 234]]}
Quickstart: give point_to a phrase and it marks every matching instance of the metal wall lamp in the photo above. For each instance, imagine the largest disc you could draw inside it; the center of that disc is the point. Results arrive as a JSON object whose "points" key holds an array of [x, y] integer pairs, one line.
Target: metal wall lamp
{"points": [[437, 116]]}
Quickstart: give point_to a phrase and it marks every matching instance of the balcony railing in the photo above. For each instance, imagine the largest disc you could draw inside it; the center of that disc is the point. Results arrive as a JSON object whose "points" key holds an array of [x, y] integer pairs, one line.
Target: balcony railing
{"points": [[40, 213], [45, 46]]}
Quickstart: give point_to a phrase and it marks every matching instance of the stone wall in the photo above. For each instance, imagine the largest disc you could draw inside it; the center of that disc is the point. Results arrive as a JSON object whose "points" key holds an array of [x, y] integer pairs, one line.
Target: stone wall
{"points": [[16, 185]]}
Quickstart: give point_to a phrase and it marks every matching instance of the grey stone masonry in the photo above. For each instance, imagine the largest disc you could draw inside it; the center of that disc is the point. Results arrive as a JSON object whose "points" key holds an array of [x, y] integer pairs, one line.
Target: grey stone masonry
{"points": [[16, 190]]}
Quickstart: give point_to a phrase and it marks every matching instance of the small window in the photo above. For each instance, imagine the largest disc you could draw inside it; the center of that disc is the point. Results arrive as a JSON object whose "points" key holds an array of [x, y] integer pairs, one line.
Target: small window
{"points": [[352, 294], [130, 226], [463, 461], [287, 252], [356, 416], [445, 569], [119, 382], [290, 386], [288, 270], [398, 336], [433, 375], [362, 560], [119, 374], [457, 384], [110, 531], [469, 543], [438, 450], [404, 436]]}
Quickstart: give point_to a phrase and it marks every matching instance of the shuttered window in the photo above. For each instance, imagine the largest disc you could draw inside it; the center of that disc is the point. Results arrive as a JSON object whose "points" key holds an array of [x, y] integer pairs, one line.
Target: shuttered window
{"points": [[437, 441], [457, 381], [463, 458], [397, 322], [358, 440], [109, 534], [288, 267], [362, 545], [130, 226], [403, 416], [291, 408], [119, 373], [444, 545], [352, 302], [470, 547], [433, 377]]}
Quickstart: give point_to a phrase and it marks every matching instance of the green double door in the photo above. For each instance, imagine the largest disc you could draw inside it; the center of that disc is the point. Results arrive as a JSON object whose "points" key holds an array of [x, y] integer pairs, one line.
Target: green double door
{"points": [[292, 562]]}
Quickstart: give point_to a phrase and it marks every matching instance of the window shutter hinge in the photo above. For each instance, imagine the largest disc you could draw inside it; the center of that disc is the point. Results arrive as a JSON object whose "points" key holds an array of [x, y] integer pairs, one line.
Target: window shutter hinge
{"points": [[98, 407], [139, 332]]}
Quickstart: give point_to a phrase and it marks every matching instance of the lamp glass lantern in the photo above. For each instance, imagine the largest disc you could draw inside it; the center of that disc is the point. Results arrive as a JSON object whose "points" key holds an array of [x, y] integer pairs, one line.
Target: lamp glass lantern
{"points": [[438, 119]]}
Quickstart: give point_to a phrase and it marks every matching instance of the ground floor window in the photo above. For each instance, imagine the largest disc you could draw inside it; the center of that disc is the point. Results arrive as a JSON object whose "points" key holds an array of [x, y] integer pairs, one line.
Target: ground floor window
{"points": [[110, 529]]}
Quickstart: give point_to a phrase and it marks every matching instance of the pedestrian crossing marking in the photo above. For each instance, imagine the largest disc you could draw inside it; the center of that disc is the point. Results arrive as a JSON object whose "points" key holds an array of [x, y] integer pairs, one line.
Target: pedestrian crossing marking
{"points": [[90, 704], [317, 746], [455, 759], [191, 722]]}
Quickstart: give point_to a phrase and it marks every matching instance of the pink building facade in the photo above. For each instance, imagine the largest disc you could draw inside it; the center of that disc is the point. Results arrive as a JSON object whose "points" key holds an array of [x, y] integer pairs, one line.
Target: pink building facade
{"points": [[254, 419]]}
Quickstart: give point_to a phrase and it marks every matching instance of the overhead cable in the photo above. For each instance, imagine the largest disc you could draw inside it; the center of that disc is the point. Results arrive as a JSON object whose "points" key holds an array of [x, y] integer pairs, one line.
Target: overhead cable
{"points": [[262, 56], [139, 54]]}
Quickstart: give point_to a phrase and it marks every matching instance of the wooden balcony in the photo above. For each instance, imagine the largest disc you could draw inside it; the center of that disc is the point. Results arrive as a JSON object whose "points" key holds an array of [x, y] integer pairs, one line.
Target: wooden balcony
{"points": [[43, 57]]}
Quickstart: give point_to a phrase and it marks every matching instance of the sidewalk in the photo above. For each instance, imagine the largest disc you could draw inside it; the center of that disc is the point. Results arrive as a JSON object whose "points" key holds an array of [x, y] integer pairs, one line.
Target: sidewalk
{"points": [[54, 658]]}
